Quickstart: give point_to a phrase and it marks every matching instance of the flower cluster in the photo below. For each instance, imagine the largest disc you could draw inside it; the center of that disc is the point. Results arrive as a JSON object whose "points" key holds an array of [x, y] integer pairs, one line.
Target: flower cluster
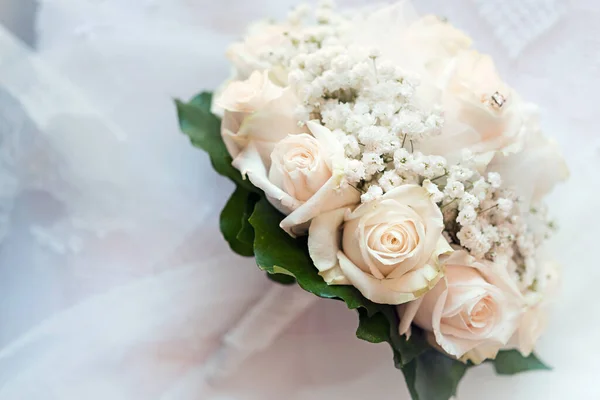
{"points": [[403, 155]]}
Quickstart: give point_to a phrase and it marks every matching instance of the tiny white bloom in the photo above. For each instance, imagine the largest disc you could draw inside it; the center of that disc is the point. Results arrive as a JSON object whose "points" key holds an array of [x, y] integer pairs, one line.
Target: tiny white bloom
{"points": [[433, 189], [494, 179], [375, 192], [467, 216], [505, 205], [468, 200], [460, 173], [354, 171], [454, 189], [373, 163], [390, 180]]}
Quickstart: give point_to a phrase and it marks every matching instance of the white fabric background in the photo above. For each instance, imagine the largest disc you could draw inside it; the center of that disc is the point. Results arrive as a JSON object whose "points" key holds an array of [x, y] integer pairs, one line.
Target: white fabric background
{"points": [[114, 281]]}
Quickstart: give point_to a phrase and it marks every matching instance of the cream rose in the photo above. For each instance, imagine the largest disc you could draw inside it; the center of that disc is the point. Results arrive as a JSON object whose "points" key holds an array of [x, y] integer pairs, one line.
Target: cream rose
{"points": [[535, 319], [484, 103], [388, 249], [249, 95], [472, 313], [419, 44], [256, 110], [248, 56], [436, 42], [534, 171], [303, 177], [424, 45], [482, 113], [299, 166]]}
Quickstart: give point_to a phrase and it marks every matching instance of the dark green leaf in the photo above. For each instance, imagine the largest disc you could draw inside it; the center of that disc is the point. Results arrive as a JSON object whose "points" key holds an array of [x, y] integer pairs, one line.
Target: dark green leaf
{"points": [[407, 349], [202, 100], [433, 376], [282, 279], [512, 362], [246, 233], [410, 377], [373, 329], [233, 218], [204, 130]]}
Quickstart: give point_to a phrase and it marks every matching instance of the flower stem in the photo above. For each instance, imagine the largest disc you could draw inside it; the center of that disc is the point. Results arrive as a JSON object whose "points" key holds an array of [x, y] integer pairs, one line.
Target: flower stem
{"points": [[446, 205], [488, 209]]}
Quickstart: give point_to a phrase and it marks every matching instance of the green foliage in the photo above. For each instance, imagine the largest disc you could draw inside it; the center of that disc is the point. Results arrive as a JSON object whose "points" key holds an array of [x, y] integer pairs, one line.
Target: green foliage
{"points": [[433, 376], [234, 221], [512, 362], [282, 279]]}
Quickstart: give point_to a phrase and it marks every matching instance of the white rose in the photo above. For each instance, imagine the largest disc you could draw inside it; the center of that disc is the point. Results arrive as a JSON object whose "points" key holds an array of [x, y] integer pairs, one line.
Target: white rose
{"points": [[303, 177], [249, 95], [248, 56], [481, 112], [300, 166], [418, 44], [258, 111], [387, 249], [536, 168], [423, 45], [472, 312], [535, 319], [436, 42]]}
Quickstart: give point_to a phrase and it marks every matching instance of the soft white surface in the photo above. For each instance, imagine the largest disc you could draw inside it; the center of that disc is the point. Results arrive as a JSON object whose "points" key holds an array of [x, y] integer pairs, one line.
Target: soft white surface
{"points": [[115, 282]]}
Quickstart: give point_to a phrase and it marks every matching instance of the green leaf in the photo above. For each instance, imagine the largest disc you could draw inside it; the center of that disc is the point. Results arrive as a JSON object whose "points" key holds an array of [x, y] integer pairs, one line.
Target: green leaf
{"points": [[408, 349], [277, 252], [410, 377], [204, 130], [512, 362], [374, 329], [202, 100], [234, 219], [433, 376], [246, 232], [282, 279]]}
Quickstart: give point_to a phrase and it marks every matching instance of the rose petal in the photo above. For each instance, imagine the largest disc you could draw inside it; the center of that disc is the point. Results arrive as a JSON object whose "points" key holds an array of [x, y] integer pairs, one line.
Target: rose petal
{"points": [[324, 239], [331, 196], [249, 163], [407, 314], [389, 291], [249, 95], [329, 143]]}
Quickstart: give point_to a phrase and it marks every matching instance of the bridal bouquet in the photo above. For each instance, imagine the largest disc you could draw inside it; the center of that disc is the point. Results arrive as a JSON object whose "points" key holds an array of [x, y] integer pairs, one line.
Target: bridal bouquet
{"points": [[381, 161]]}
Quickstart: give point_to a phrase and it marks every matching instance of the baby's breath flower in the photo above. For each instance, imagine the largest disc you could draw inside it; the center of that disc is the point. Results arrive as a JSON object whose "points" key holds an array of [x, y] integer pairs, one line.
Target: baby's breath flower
{"points": [[373, 193], [373, 163], [436, 195], [354, 171], [389, 180], [454, 189], [505, 205], [460, 174], [494, 179], [468, 200], [466, 216]]}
